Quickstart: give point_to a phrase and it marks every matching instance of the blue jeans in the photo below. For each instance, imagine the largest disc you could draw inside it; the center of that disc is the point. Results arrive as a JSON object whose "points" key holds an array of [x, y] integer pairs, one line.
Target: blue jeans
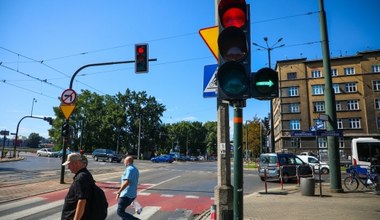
{"points": [[122, 204]]}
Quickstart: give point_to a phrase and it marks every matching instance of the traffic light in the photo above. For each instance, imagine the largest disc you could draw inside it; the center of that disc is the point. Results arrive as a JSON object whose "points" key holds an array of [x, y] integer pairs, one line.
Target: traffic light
{"points": [[49, 119], [234, 70], [141, 58], [266, 123], [65, 130], [264, 84]]}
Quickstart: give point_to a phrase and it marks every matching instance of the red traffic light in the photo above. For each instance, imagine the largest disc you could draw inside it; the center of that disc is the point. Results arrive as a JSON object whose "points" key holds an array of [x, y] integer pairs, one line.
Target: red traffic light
{"points": [[141, 58], [232, 13]]}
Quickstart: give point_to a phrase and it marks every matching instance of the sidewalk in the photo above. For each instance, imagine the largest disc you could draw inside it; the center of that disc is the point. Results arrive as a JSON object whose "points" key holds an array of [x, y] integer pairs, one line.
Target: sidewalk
{"points": [[290, 204]]}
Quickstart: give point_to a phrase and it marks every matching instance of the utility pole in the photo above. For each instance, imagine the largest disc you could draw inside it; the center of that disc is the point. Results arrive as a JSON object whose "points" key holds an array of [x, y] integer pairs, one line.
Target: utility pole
{"points": [[269, 49], [332, 144]]}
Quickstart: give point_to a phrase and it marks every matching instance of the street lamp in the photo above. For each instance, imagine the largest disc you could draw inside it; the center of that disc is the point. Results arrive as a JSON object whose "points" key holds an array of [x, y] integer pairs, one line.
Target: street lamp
{"points": [[269, 49], [31, 112]]}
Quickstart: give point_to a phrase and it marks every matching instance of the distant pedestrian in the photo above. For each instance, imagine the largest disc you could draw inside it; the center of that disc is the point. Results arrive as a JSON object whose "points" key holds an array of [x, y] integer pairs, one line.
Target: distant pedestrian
{"points": [[128, 189], [79, 194]]}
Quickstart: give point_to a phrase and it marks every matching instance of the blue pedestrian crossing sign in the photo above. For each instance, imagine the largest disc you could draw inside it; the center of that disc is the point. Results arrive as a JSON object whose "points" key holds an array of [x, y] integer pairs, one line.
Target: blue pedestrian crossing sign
{"points": [[210, 85]]}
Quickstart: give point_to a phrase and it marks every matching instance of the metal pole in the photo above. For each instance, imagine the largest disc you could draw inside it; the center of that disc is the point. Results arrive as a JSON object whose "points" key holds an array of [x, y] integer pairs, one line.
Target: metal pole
{"points": [[333, 149], [138, 143], [238, 163]]}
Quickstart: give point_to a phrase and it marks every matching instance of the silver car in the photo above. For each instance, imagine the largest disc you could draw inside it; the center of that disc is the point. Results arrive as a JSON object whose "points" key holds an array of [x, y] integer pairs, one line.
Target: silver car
{"points": [[46, 152]]}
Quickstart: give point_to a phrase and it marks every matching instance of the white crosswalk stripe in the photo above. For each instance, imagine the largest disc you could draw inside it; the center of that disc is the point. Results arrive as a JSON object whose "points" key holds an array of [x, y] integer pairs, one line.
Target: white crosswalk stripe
{"points": [[34, 206]]}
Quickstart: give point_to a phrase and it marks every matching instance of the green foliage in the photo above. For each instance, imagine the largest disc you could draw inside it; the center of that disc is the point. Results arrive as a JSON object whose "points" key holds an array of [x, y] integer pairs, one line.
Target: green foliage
{"points": [[34, 140]]}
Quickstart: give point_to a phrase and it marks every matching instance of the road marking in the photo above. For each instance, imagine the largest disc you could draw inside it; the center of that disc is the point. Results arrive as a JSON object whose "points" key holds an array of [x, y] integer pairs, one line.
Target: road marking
{"points": [[20, 203], [192, 197], [167, 195], [27, 212], [157, 184]]}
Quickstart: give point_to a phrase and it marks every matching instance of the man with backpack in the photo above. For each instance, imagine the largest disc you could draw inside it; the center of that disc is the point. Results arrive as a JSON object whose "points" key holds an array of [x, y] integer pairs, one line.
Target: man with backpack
{"points": [[83, 195], [128, 189]]}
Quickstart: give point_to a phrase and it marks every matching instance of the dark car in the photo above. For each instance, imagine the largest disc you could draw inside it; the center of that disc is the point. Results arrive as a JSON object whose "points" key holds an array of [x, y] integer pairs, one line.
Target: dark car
{"points": [[167, 158], [287, 163], [106, 155]]}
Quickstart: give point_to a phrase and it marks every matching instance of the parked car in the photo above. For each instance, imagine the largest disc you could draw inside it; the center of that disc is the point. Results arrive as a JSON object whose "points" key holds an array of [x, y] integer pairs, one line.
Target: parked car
{"points": [[46, 152], [167, 158], [60, 153], [313, 161], [288, 163], [106, 155]]}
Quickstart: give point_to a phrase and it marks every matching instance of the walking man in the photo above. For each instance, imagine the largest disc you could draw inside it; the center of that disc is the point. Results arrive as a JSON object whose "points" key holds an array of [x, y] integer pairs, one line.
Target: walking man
{"points": [[128, 189], [77, 198]]}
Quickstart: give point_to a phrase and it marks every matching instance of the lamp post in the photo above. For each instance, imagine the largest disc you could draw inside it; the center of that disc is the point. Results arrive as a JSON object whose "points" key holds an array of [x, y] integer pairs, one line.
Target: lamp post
{"points": [[142, 106], [269, 49], [31, 112]]}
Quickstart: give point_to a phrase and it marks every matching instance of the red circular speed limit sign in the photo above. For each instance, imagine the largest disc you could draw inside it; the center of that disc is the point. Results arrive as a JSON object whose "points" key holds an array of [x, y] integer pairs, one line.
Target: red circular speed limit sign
{"points": [[68, 96]]}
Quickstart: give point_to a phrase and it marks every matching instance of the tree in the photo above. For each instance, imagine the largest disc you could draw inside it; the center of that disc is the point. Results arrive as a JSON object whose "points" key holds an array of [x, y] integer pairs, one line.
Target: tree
{"points": [[211, 137], [255, 142], [34, 140]]}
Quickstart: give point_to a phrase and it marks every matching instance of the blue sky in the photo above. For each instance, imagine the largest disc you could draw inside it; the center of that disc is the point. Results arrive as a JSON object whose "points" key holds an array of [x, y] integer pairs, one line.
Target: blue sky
{"points": [[43, 42]]}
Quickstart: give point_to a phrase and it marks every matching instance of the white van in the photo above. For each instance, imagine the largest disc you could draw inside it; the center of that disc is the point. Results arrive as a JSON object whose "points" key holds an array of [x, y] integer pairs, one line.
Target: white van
{"points": [[325, 169], [365, 151]]}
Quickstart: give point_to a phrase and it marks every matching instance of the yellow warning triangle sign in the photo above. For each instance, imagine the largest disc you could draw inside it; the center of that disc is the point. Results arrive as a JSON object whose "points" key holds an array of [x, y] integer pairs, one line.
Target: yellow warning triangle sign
{"points": [[210, 37], [67, 110]]}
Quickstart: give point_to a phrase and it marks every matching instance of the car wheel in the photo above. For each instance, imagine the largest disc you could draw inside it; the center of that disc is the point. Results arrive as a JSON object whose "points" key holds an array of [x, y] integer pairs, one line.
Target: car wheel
{"points": [[262, 178], [96, 158], [110, 159], [38, 155], [325, 170]]}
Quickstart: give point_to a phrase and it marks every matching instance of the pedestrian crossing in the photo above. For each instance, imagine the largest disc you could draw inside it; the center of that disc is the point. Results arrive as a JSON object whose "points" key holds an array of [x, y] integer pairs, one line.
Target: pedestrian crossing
{"points": [[43, 209]]}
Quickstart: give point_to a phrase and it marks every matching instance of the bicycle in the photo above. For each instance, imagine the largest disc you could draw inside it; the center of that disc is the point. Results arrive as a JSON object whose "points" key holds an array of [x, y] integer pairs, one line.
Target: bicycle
{"points": [[361, 175]]}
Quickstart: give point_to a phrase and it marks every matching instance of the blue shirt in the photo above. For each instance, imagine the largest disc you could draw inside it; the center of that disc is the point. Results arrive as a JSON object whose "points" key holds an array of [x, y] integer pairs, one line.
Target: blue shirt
{"points": [[131, 173]]}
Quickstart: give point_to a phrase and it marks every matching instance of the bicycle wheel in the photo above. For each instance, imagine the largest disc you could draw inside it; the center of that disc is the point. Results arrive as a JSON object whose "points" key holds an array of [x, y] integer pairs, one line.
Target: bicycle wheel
{"points": [[351, 183]]}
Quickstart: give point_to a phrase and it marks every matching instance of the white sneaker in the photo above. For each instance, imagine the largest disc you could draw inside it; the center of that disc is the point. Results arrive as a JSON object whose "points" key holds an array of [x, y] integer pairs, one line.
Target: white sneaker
{"points": [[138, 211]]}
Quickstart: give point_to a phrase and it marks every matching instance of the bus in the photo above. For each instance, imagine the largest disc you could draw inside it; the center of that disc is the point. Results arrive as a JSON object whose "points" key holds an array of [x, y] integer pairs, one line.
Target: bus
{"points": [[365, 151]]}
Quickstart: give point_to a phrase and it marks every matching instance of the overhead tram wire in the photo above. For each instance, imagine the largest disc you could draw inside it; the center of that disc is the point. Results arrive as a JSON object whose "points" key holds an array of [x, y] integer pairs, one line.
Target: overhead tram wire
{"points": [[29, 90]]}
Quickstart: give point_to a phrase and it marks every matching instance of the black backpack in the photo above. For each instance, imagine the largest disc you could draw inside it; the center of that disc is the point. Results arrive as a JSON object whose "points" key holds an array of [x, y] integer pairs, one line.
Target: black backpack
{"points": [[98, 204]]}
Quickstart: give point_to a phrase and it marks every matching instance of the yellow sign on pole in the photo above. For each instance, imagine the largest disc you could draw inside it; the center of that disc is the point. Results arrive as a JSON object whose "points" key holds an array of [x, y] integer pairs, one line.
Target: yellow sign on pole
{"points": [[210, 37], [67, 110]]}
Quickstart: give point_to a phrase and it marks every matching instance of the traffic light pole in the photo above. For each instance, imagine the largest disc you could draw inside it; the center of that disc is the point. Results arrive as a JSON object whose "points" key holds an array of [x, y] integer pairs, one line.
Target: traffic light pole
{"points": [[238, 160], [18, 125]]}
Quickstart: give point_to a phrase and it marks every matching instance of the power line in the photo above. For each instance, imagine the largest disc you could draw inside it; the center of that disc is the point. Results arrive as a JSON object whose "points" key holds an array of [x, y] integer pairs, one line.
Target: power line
{"points": [[29, 90]]}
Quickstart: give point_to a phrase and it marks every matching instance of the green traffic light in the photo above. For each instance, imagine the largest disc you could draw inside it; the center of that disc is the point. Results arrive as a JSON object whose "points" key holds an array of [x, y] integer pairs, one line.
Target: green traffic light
{"points": [[268, 83]]}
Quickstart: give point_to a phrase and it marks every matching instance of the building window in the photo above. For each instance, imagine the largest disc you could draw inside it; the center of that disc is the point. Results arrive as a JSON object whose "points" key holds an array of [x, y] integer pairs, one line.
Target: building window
{"points": [[319, 124], [378, 122], [376, 85], [293, 91], [352, 105], [376, 68], [294, 107], [349, 71], [339, 123], [336, 88], [322, 142], [316, 74], [350, 87], [295, 142], [341, 142], [292, 75], [317, 89], [338, 105], [354, 123], [295, 125], [334, 72], [319, 106], [377, 103]]}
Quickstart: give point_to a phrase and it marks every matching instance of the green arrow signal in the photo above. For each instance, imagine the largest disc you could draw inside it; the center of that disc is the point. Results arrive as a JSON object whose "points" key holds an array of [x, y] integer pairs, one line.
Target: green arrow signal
{"points": [[268, 83]]}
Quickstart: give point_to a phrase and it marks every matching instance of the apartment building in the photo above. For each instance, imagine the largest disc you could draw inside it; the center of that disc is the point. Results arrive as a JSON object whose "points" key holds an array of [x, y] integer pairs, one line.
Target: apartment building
{"points": [[356, 85]]}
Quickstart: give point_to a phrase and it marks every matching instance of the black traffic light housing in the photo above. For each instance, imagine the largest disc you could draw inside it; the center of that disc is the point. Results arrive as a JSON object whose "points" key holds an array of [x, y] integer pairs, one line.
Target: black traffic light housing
{"points": [[49, 119], [234, 70], [65, 129], [264, 84], [141, 58]]}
